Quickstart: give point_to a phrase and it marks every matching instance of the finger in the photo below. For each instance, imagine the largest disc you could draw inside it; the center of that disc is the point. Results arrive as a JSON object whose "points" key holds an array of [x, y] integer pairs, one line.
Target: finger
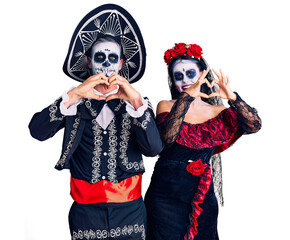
{"points": [[203, 95], [98, 97], [228, 80], [215, 94], [223, 76], [217, 74], [205, 72], [215, 81], [208, 83], [116, 82], [98, 82], [114, 77], [98, 76], [202, 75], [112, 96]]}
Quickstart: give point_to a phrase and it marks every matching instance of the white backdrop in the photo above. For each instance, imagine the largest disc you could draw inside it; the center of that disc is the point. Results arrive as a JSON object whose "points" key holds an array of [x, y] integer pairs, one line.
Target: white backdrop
{"points": [[248, 39]]}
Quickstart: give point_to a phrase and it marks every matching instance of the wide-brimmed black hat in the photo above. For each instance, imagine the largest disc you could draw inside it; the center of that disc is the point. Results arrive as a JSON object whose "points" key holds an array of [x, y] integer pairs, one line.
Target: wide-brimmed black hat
{"points": [[113, 21]]}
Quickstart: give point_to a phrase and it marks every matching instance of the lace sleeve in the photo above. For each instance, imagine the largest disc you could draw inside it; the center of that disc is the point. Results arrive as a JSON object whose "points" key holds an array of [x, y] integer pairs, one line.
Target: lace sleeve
{"points": [[172, 124], [248, 117]]}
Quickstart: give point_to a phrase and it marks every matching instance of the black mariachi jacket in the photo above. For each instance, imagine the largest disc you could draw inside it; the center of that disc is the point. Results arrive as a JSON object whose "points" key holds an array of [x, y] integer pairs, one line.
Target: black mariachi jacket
{"points": [[134, 136]]}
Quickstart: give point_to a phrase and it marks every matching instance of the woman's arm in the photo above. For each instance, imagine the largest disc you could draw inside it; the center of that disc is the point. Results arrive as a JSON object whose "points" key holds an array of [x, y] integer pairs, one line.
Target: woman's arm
{"points": [[171, 127], [248, 117]]}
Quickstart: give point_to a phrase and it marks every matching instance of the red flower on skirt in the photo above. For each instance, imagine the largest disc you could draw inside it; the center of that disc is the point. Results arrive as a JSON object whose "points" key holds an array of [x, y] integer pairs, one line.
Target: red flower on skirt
{"points": [[195, 168]]}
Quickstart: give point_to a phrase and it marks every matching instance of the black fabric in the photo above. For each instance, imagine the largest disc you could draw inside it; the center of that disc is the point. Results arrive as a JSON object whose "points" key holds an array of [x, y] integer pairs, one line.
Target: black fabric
{"points": [[170, 194], [175, 118], [248, 117], [121, 221]]}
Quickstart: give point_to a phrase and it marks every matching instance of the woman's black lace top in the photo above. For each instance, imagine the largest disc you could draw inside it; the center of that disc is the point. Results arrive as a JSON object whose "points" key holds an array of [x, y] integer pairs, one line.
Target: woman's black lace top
{"points": [[240, 118]]}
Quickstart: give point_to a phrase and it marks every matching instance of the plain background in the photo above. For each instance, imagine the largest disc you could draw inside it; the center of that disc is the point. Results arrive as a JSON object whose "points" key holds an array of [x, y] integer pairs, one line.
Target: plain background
{"points": [[248, 39]]}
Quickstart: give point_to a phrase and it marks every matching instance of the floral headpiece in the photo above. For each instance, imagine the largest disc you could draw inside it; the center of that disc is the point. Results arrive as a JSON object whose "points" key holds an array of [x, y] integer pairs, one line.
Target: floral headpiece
{"points": [[182, 49]]}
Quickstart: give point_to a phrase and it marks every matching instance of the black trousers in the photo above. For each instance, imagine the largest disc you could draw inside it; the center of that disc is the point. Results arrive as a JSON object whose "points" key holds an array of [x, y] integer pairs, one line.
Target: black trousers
{"points": [[108, 221]]}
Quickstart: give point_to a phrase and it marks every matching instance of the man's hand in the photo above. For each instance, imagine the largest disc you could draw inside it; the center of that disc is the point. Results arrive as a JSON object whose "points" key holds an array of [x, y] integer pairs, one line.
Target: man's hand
{"points": [[86, 89], [125, 92]]}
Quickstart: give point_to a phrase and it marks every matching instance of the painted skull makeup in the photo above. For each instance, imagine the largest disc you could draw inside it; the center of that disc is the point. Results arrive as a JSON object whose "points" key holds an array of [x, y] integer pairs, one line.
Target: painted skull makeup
{"points": [[185, 73], [105, 57]]}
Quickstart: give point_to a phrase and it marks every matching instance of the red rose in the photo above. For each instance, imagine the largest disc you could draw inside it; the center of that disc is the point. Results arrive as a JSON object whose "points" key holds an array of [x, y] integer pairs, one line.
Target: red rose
{"points": [[195, 167], [179, 49], [167, 56], [194, 50]]}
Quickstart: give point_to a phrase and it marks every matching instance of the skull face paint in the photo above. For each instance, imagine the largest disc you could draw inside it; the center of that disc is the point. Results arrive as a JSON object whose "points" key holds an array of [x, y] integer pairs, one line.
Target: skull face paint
{"points": [[105, 57], [185, 73]]}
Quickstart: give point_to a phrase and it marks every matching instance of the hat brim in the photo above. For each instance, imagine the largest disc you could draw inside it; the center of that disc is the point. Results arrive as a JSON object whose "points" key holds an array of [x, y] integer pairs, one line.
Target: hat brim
{"points": [[108, 20]]}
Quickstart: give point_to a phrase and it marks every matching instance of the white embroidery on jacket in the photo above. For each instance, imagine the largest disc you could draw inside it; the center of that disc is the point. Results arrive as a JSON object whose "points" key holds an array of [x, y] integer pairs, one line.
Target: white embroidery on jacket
{"points": [[124, 144], [112, 162], [52, 111], [112, 233], [96, 160], [144, 123], [88, 104], [73, 133], [117, 108]]}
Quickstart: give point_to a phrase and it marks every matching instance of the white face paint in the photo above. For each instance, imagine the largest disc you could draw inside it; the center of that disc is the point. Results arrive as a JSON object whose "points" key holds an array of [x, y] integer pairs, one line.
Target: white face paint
{"points": [[185, 73], [105, 57]]}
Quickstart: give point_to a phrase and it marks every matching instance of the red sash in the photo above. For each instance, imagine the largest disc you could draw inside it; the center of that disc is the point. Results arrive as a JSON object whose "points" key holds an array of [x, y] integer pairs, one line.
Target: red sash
{"points": [[105, 191]]}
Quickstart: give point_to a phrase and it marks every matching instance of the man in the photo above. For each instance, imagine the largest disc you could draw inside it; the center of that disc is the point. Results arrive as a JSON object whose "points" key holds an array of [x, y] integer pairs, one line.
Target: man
{"points": [[108, 126]]}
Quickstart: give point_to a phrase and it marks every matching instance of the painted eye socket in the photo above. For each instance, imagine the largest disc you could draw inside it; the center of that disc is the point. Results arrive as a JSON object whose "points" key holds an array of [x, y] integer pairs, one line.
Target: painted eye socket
{"points": [[113, 58], [100, 57], [191, 73], [178, 76]]}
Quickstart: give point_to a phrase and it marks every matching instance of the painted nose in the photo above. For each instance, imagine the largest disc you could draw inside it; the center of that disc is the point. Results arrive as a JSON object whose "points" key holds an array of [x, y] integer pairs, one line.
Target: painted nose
{"points": [[106, 64], [187, 80]]}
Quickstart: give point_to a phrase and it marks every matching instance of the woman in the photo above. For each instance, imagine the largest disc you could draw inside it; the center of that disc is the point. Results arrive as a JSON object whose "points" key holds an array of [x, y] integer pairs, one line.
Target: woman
{"points": [[180, 200]]}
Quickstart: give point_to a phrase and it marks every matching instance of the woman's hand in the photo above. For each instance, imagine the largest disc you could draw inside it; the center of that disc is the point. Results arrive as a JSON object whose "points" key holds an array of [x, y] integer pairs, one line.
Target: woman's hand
{"points": [[224, 89], [125, 92], [194, 89]]}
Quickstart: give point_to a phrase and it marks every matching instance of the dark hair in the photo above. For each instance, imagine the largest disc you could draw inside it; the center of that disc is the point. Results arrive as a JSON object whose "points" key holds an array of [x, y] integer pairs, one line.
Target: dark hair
{"points": [[202, 65]]}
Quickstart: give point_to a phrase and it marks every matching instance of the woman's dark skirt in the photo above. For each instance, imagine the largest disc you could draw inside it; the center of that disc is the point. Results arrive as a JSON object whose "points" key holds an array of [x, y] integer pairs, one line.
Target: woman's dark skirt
{"points": [[168, 204]]}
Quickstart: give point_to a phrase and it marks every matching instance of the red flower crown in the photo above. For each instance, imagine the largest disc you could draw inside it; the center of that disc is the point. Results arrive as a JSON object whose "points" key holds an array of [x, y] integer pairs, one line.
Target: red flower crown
{"points": [[182, 49]]}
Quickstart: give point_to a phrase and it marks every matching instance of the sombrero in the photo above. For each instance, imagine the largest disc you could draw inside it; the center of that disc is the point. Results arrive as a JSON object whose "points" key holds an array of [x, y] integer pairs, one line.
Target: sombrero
{"points": [[113, 21]]}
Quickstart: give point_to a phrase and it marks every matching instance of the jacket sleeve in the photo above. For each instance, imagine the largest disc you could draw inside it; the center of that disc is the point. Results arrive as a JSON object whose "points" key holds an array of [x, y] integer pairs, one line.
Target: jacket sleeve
{"points": [[147, 134], [48, 122]]}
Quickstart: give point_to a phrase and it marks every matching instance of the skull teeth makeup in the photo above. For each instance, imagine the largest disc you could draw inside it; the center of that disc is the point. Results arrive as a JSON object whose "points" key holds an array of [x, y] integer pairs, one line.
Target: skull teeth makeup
{"points": [[105, 57], [185, 73]]}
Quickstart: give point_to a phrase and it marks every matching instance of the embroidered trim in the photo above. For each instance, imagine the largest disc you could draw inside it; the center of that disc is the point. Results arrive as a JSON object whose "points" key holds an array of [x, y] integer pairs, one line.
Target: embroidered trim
{"points": [[112, 233], [117, 108], [89, 106], [96, 161], [112, 162], [52, 111], [144, 123], [73, 133], [124, 145]]}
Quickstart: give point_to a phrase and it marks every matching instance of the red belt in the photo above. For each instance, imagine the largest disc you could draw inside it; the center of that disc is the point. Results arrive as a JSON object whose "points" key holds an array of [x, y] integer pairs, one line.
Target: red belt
{"points": [[105, 191]]}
